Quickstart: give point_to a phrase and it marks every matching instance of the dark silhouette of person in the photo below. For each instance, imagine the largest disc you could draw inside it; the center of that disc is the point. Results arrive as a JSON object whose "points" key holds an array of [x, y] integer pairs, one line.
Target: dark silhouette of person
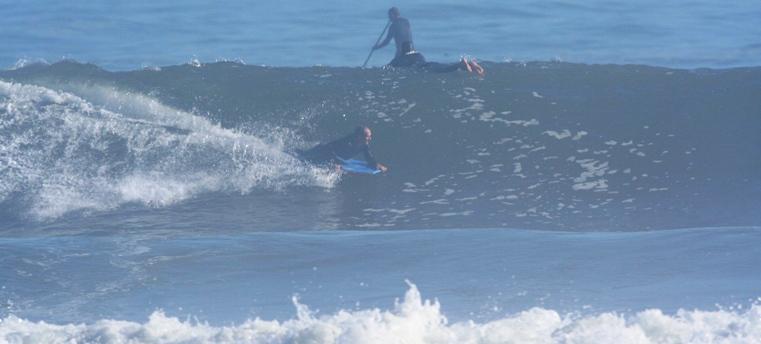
{"points": [[347, 147], [406, 55]]}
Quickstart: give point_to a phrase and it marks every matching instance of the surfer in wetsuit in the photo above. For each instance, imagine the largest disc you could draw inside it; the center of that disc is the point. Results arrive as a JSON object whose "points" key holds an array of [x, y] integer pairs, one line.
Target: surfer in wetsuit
{"points": [[406, 56], [345, 148]]}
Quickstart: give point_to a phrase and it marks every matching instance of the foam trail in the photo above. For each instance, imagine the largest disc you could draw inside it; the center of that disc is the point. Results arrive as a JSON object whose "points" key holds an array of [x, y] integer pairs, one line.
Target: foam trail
{"points": [[412, 320], [60, 153]]}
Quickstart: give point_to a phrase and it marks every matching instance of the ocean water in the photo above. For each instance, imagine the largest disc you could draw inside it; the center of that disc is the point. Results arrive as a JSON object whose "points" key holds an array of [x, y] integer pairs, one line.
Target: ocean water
{"points": [[591, 188], [137, 34]]}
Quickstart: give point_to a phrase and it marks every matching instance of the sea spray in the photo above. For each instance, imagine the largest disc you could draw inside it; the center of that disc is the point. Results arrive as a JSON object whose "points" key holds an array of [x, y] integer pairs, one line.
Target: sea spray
{"points": [[412, 320], [62, 153]]}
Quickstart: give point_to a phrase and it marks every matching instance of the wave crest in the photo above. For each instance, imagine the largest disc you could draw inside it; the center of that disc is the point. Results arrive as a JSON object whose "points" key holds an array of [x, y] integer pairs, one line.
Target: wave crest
{"points": [[104, 147], [414, 320]]}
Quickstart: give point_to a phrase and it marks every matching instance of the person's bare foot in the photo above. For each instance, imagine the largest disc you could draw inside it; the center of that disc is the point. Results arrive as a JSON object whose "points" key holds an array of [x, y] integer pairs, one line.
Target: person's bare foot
{"points": [[476, 67], [466, 65]]}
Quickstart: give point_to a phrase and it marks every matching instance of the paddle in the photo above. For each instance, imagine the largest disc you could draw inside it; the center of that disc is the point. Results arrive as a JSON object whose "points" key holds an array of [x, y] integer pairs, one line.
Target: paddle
{"points": [[376, 43]]}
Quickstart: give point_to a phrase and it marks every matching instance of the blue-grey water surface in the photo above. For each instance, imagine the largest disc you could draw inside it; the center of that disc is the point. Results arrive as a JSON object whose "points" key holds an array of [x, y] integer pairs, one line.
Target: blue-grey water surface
{"points": [[600, 184], [134, 34]]}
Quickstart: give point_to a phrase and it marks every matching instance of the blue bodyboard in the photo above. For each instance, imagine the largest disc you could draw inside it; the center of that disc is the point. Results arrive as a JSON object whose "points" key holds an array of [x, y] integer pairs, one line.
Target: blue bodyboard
{"points": [[358, 166]]}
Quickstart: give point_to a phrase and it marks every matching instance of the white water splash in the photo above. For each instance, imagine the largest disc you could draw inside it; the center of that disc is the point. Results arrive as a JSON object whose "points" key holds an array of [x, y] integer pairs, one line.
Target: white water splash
{"points": [[413, 320], [63, 153]]}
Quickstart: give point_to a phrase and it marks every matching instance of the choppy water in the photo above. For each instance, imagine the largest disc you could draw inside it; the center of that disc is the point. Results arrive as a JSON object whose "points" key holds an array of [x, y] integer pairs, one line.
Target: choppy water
{"points": [[547, 202]]}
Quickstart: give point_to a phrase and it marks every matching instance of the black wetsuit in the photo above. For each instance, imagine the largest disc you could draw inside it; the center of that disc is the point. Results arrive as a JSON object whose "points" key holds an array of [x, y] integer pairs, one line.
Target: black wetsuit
{"points": [[346, 147], [415, 59], [406, 56]]}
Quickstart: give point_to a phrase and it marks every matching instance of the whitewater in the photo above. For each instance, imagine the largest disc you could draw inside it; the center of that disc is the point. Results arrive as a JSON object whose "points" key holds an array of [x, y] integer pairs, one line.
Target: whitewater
{"points": [[411, 321], [601, 183], [468, 286]]}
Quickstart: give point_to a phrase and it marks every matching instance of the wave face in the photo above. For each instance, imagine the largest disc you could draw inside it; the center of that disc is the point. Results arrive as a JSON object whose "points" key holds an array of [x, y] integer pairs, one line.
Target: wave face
{"points": [[412, 320], [539, 145]]}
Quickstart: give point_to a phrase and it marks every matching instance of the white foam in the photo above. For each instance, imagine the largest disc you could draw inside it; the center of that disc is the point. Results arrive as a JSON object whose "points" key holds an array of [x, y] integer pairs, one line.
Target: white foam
{"points": [[65, 153], [491, 116], [592, 169], [412, 320], [558, 135], [565, 134], [579, 135]]}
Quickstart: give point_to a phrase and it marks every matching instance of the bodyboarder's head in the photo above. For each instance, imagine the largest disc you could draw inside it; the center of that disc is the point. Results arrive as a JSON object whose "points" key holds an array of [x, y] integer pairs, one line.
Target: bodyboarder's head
{"points": [[393, 13], [363, 134]]}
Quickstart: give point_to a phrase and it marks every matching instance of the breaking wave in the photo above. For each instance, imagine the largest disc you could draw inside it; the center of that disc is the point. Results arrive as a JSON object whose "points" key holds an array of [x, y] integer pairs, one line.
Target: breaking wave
{"points": [[63, 153], [542, 145], [412, 320]]}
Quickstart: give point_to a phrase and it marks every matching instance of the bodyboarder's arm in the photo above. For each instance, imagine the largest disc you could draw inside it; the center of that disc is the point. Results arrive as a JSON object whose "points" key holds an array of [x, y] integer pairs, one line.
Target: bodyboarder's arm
{"points": [[371, 160], [368, 156]]}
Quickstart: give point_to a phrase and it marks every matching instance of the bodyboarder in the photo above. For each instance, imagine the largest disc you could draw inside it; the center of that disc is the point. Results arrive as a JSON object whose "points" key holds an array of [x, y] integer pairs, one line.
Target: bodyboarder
{"points": [[356, 143]]}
